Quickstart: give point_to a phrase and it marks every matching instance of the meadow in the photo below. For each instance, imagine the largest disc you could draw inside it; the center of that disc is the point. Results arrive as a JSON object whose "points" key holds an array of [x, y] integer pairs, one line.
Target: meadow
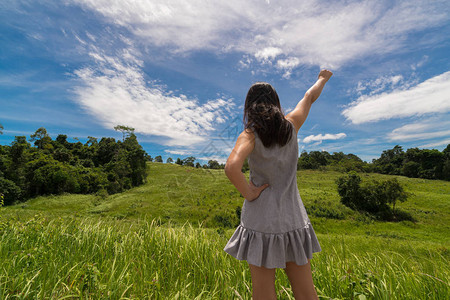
{"points": [[164, 240]]}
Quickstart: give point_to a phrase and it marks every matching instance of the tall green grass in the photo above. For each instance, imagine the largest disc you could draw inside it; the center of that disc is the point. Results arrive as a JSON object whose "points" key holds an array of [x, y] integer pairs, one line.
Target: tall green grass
{"points": [[92, 258], [162, 241]]}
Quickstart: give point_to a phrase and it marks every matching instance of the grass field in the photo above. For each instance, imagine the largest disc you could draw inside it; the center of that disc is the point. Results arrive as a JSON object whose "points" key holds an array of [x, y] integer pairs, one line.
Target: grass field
{"points": [[164, 240]]}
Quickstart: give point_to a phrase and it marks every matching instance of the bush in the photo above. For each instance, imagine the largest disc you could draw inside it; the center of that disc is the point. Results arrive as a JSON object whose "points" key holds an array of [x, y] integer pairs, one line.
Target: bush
{"points": [[11, 192], [102, 194], [373, 197], [411, 169], [350, 190]]}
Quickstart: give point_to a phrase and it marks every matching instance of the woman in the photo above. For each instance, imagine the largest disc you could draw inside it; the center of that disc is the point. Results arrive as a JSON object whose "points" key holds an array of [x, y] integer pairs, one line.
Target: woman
{"points": [[274, 231]]}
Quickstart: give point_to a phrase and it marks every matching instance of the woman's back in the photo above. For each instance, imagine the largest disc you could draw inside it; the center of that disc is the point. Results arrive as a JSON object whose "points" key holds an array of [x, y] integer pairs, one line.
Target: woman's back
{"points": [[277, 207]]}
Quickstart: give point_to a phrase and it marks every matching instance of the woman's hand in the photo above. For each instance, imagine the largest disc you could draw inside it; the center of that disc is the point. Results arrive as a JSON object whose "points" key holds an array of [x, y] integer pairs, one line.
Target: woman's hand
{"points": [[255, 191], [325, 74]]}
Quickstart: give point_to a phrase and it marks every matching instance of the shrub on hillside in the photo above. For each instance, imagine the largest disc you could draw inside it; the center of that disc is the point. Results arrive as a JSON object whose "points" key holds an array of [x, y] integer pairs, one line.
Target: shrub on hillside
{"points": [[9, 190], [373, 197]]}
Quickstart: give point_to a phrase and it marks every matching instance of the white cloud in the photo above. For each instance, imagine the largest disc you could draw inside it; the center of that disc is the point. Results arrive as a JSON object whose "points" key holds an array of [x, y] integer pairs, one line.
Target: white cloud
{"points": [[321, 137], [288, 63], [409, 128], [436, 144], [79, 39], [178, 152], [395, 136], [244, 63], [115, 91], [425, 130], [396, 79], [314, 32], [268, 53], [379, 84], [420, 63], [430, 96]]}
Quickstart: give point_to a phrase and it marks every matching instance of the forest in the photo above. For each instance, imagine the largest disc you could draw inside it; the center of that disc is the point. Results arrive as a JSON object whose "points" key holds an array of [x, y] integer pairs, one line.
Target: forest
{"points": [[59, 166]]}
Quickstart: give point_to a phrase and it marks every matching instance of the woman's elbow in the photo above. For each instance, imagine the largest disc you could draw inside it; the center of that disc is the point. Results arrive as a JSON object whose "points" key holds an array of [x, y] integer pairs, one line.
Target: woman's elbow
{"points": [[229, 168]]}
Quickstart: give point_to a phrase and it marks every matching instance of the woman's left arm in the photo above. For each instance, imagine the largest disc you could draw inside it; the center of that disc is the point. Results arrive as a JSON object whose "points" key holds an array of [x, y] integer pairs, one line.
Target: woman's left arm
{"points": [[244, 146]]}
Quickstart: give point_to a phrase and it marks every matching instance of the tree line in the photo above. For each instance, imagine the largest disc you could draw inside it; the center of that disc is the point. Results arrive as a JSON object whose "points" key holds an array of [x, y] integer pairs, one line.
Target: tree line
{"points": [[59, 166], [418, 163], [414, 162], [189, 161]]}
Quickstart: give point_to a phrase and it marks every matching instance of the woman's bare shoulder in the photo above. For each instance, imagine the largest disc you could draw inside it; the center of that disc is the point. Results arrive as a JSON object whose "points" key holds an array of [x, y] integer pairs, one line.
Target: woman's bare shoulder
{"points": [[247, 134], [244, 144], [292, 122]]}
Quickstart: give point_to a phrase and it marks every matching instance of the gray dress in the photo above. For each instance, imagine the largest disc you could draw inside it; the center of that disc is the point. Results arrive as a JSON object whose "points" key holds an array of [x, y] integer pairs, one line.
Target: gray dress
{"points": [[274, 228]]}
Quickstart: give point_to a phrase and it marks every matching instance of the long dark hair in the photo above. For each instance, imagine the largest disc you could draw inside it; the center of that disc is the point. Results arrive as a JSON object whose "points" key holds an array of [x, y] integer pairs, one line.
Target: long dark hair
{"points": [[262, 112]]}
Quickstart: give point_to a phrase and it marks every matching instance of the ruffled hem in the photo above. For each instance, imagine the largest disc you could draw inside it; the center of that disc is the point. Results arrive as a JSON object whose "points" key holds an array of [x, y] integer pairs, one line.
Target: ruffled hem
{"points": [[273, 250]]}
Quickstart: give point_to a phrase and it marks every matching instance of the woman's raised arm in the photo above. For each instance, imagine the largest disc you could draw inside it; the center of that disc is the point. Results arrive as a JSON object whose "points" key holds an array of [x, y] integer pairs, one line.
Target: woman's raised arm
{"points": [[300, 112]]}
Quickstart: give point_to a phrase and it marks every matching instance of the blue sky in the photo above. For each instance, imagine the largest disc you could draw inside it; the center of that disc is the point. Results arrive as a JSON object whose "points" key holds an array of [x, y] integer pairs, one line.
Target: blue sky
{"points": [[178, 71]]}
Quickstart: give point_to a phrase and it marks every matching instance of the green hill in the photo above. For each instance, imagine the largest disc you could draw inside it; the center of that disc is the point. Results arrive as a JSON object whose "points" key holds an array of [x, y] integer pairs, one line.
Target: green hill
{"points": [[164, 240], [202, 196]]}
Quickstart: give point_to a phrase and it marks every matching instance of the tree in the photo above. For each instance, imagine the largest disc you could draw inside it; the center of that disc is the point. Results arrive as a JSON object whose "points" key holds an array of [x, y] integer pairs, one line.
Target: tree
{"points": [[446, 152], [92, 141], [394, 192], [9, 190], [245, 166], [305, 161], [18, 149], [349, 188], [18, 153], [411, 169], [126, 131], [189, 161], [169, 160], [179, 161], [62, 140], [1, 128], [319, 158], [107, 149], [198, 165], [40, 138], [446, 170], [62, 155], [135, 156], [338, 156], [213, 164], [158, 159], [390, 161]]}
